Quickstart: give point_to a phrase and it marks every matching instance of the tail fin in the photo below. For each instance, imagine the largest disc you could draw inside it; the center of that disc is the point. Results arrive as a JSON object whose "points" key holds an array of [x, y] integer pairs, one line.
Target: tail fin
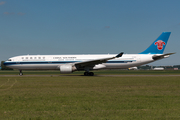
{"points": [[158, 46]]}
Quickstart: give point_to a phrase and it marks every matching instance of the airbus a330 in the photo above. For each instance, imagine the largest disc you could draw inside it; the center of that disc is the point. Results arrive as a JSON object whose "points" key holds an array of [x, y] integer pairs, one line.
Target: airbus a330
{"points": [[87, 63]]}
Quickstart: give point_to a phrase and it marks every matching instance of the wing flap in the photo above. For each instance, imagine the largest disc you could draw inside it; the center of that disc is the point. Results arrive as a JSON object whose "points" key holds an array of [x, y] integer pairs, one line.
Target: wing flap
{"points": [[92, 63]]}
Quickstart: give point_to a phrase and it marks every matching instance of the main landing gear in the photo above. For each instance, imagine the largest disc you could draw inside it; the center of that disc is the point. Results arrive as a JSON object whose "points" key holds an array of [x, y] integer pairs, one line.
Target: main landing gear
{"points": [[88, 74], [20, 73]]}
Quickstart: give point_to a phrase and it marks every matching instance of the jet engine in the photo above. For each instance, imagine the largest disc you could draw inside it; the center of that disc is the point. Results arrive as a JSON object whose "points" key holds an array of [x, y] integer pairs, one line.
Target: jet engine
{"points": [[67, 69]]}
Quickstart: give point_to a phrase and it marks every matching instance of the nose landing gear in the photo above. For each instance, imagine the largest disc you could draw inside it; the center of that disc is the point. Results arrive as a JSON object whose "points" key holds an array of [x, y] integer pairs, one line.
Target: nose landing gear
{"points": [[20, 73]]}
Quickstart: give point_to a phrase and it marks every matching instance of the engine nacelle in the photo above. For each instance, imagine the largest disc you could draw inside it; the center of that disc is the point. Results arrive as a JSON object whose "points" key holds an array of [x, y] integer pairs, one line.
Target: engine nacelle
{"points": [[66, 69]]}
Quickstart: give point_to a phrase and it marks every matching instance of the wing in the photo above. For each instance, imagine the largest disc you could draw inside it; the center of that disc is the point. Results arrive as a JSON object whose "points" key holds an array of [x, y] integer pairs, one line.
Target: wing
{"points": [[157, 57], [92, 63]]}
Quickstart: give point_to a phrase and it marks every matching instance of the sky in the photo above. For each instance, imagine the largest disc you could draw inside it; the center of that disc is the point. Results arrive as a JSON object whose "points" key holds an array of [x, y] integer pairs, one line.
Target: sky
{"points": [[87, 27]]}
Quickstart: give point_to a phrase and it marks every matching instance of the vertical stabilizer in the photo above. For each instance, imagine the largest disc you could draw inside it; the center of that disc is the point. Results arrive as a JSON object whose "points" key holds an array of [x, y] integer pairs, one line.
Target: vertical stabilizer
{"points": [[158, 46]]}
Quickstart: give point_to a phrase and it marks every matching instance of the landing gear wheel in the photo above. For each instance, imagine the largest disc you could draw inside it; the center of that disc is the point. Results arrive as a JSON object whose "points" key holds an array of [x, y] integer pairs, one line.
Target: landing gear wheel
{"points": [[20, 72], [88, 74], [91, 74]]}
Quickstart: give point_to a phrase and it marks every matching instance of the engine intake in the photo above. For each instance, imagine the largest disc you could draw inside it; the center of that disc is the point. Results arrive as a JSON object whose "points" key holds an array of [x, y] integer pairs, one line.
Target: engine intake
{"points": [[67, 69]]}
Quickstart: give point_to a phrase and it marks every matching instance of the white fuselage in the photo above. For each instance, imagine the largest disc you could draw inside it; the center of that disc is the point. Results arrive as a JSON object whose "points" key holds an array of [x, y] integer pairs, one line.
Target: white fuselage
{"points": [[71, 63], [53, 62]]}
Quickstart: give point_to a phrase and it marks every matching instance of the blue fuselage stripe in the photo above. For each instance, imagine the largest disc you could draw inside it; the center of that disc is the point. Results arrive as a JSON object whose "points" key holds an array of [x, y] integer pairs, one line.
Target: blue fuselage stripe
{"points": [[55, 62]]}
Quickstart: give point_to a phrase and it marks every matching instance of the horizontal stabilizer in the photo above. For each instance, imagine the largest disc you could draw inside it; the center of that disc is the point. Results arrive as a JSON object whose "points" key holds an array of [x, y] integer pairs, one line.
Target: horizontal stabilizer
{"points": [[157, 57]]}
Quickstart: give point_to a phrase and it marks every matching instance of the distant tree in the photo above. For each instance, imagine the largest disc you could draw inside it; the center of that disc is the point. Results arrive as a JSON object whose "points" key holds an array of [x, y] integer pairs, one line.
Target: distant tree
{"points": [[177, 66], [146, 67], [3, 67]]}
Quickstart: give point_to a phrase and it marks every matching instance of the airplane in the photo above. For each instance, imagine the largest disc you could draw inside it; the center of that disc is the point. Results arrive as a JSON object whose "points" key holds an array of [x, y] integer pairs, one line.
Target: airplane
{"points": [[87, 63]]}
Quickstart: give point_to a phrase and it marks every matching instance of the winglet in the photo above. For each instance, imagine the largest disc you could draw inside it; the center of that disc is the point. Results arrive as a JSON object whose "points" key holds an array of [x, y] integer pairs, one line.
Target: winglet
{"points": [[119, 55]]}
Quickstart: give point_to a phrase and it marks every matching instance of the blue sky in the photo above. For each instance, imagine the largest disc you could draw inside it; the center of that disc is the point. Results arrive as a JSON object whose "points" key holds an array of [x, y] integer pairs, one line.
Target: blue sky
{"points": [[87, 27]]}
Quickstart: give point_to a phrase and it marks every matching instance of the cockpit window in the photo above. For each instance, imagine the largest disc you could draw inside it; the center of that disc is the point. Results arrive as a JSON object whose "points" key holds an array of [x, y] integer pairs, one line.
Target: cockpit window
{"points": [[9, 60]]}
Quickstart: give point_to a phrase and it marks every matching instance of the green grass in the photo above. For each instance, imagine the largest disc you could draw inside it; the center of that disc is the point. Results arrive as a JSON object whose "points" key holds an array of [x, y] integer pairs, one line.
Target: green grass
{"points": [[90, 98], [99, 72]]}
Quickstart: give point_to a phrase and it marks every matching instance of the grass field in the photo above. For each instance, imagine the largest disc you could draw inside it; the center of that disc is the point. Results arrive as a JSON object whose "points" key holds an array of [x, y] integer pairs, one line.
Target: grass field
{"points": [[90, 98], [100, 72]]}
